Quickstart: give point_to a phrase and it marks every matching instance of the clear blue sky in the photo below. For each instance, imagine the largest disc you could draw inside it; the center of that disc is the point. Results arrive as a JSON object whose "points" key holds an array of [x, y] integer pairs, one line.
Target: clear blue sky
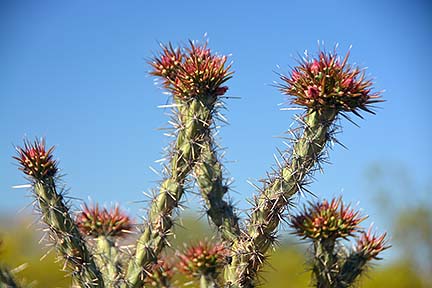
{"points": [[75, 72]]}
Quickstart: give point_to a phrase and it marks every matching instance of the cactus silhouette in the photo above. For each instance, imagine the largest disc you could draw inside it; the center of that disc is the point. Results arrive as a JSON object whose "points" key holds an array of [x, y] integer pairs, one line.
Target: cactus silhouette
{"points": [[323, 88]]}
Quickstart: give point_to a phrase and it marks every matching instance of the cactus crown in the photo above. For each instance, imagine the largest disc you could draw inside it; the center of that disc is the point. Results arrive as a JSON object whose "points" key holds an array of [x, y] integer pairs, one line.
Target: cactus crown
{"points": [[369, 244], [326, 82], [95, 222], [326, 220], [204, 258], [192, 72], [35, 161]]}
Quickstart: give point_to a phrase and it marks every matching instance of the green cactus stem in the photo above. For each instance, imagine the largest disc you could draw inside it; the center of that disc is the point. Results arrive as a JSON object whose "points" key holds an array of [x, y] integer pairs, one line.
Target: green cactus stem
{"points": [[195, 120], [107, 258], [208, 173], [249, 252], [68, 239], [325, 263]]}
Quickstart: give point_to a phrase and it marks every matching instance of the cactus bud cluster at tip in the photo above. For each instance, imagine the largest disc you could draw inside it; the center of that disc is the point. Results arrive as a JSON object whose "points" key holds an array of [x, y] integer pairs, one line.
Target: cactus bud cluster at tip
{"points": [[203, 258], [36, 161], [327, 220], [95, 222], [192, 71], [329, 83], [159, 275], [370, 245]]}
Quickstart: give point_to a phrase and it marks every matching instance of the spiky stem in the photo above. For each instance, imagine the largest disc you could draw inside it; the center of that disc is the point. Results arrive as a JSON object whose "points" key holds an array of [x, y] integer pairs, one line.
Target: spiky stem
{"points": [[208, 172], [325, 261], [107, 259], [195, 119], [249, 252], [68, 239], [207, 281], [7, 279], [351, 269]]}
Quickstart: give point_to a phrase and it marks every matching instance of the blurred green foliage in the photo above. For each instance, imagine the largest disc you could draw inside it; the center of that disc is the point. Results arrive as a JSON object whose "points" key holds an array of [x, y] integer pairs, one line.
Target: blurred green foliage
{"points": [[287, 263]]}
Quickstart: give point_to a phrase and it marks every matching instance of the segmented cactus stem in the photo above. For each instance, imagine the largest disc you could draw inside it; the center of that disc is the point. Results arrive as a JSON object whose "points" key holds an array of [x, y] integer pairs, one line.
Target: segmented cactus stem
{"points": [[107, 258], [249, 252], [325, 263], [195, 118], [208, 173], [69, 241], [351, 269]]}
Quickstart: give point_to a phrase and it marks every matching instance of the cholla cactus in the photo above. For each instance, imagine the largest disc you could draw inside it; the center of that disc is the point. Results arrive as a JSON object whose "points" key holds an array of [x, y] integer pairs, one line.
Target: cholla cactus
{"points": [[324, 223], [203, 261], [160, 274], [327, 220], [95, 222], [324, 87]]}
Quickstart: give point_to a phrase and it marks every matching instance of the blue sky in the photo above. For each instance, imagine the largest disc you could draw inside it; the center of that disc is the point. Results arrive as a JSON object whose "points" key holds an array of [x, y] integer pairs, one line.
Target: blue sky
{"points": [[75, 72]]}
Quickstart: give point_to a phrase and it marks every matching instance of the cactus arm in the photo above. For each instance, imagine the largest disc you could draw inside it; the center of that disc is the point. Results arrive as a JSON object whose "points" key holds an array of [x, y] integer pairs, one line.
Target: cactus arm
{"points": [[249, 252], [195, 118], [351, 269], [106, 257], [208, 173], [69, 241], [325, 263]]}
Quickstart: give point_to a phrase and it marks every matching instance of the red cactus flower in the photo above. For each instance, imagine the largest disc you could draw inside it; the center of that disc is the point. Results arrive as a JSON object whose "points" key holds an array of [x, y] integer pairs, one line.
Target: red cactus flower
{"points": [[35, 161], [159, 275], [95, 222], [202, 259], [191, 72], [326, 220], [370, 245], [341, 86]]}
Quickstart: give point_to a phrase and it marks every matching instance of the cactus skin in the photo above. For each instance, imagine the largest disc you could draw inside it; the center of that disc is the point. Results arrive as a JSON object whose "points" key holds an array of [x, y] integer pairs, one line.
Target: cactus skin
{"points": [[208, 174], [107, 258]]}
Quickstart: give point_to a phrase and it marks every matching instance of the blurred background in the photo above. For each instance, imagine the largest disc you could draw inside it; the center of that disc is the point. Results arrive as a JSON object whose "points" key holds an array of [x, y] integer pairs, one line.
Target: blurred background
{"points": [[75, 72]]}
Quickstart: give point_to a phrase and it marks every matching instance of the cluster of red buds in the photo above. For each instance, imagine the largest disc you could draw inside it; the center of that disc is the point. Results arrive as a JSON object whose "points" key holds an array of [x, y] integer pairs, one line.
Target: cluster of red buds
{"points": [[202, 259], [159, 275], [95, 222], [369, 245], [329, 83], [35, 161], [327, 220], [192, 71]]}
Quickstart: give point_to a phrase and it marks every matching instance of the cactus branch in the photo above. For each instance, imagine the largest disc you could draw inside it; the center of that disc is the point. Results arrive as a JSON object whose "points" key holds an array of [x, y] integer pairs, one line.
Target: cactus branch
{"points": [[196, 119], [325, 263], [106, 257], [208, 173], [249, 252], [68, 238]]}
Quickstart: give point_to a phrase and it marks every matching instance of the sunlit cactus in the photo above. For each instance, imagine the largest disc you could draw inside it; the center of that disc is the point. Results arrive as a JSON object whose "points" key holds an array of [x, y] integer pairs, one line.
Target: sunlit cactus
{"points": [[325, 223], [102, 248]]}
